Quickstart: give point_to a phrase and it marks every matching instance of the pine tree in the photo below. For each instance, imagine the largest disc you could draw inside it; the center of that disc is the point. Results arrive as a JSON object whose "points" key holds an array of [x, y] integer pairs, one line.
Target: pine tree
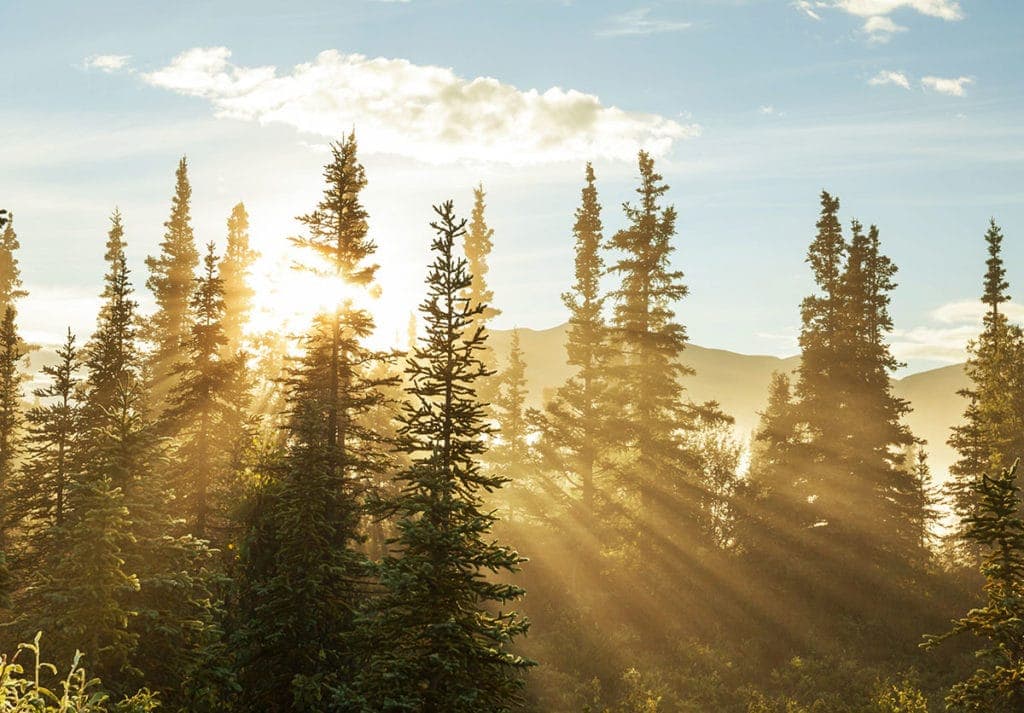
{"points": [[578, 424], [477, 245], [171, 280], [996, 528], [234, 270], [992, 430], [90, 583], [305, 574], [648, 373], [437, 642], [510, 453], [12, 352], [10, 272], [204, 409], [52, 444], [839, 498]]}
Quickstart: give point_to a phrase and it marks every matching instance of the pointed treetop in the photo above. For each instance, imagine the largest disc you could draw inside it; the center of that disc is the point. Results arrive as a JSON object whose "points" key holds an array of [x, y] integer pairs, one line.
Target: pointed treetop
{"points": [[825, 254], [995, 275]]}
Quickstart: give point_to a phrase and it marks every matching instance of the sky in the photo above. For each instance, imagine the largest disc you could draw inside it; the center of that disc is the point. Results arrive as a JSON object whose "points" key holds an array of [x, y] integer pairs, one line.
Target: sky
{"points": [[908, 110]]}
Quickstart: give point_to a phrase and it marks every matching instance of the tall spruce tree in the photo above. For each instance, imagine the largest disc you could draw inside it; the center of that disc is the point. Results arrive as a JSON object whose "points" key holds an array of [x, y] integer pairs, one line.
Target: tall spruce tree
{"points": [[90, 582], [578, 425], [10, 272], [12, 352], [991, 434], [53, 428], [171, 280], [234, 272], [839, 499], [439, 633], [648, 374], [996, 528], [203, 409], [477, 244], [305, 572]]}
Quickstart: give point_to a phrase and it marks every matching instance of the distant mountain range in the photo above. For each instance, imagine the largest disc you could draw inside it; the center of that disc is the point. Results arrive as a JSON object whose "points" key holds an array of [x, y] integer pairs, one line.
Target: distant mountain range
{"points": [[739, 382]]}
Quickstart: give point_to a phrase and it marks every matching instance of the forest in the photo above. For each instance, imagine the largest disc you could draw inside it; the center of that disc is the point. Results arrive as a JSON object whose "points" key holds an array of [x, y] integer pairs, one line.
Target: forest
{"points": [[195, 516]]}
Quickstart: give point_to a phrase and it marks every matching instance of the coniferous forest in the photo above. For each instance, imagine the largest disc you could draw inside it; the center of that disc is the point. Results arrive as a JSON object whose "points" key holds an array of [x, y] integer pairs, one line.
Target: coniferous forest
{"points": [[190, 521]]}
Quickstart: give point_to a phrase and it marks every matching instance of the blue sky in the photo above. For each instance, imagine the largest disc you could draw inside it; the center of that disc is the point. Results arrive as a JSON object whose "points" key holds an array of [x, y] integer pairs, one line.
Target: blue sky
{"points": [[909, 110]]}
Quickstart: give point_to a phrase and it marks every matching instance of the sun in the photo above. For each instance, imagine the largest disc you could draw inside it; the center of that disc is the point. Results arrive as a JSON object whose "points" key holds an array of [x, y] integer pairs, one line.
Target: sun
{"points": [[287, 299]]}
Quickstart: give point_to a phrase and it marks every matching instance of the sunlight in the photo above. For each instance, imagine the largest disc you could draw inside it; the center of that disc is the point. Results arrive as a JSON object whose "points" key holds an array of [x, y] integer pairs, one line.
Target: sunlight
{"points": [[288, 298]]}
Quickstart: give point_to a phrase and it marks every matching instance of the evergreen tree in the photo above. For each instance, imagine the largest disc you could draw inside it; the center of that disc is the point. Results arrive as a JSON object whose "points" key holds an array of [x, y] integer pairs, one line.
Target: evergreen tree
{"points": [[90, 582], [234, 271], [171, 280], [10, 272], [204, 410], [437, 642], [578, 426], [477, 244], [647, 375], [510, 452], [838, 497], [305, 574], [996, 528], [54, 426], [12, 352], [992, 430]]}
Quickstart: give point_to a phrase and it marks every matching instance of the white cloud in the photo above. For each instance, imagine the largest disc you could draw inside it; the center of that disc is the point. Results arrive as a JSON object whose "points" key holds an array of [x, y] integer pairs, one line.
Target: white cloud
{"points": [[943, 9], [890, 77], [420, 111], [878, 25], [808, 8], [768, 110], [954, 87], [952, 326], [880, 28], [107, 62], [639, 22]]}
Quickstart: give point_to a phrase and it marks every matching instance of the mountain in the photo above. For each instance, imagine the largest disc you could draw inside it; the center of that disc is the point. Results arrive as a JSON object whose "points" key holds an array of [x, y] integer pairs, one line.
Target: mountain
{"points": [[739, 382]]}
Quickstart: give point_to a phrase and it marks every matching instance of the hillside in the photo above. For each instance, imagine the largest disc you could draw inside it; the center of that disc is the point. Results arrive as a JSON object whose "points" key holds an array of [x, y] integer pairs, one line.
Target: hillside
{"points": [[739, 382]]}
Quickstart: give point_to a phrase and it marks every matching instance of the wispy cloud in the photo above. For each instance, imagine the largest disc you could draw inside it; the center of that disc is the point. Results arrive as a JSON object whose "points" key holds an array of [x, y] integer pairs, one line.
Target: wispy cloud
{"points": [[420, 111], [951, 327], [107, 62], [639, 22], [880, 28], [808, 8], [953, 86], [889, 77], [943, 9], [878, 25]]}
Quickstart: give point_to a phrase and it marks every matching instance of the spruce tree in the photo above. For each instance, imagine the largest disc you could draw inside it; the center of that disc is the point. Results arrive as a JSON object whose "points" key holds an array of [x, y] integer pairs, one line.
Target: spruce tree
{"points": [[304, 572], [89, 585], [171, 280], [996, 529], [439, 634], [578, 424], [648, 374], [234, 272], [992, 431], [477, 244], [510, 453], [53, 428], [10, 272], [204, 409], [12, 352], [837, 494]]}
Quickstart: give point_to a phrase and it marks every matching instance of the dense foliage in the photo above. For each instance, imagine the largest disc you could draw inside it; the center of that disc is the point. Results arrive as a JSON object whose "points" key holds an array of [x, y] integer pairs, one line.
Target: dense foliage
{"points": [[263, 522]]}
